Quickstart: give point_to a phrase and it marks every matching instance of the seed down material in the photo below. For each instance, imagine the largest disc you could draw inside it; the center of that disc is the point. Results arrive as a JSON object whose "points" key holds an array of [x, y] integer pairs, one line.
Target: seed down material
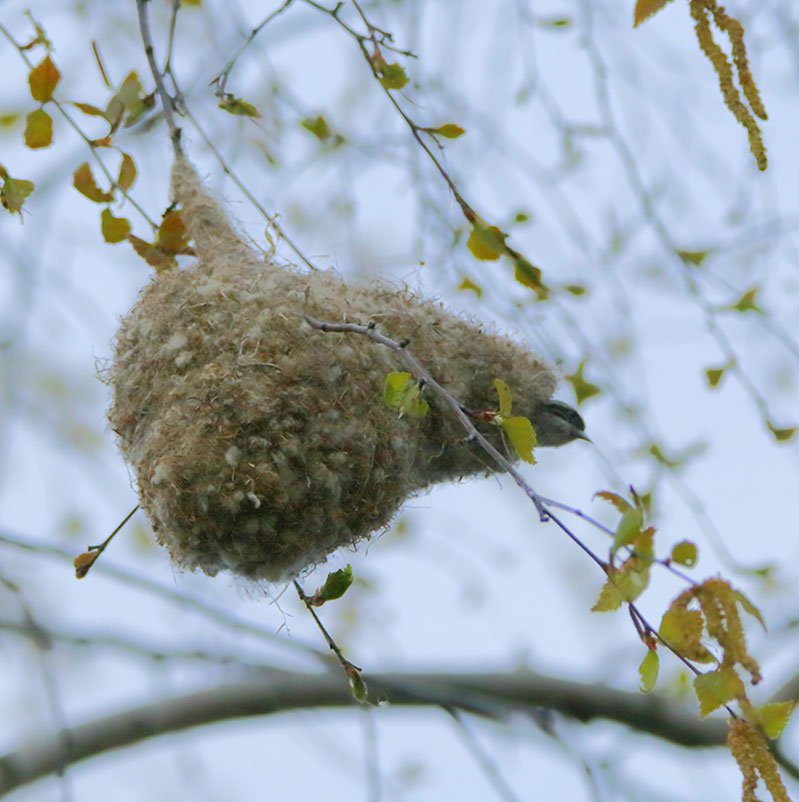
{"points": [[261, 444]]}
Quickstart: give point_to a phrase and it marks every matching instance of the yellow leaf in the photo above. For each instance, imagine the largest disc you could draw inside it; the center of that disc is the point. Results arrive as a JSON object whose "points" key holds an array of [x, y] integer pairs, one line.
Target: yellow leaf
{"points": [[87, 108], [486, 242], [14, 191], [622, 505], [127, 173], [521, 435], [781, 435], [448, 130], [172, 236], [38, 129], [84, 182], [468, 284], [645, 9], [153, 255], [43, 80], [237, 106], [115, 229], [505, 396], [83, 562]]}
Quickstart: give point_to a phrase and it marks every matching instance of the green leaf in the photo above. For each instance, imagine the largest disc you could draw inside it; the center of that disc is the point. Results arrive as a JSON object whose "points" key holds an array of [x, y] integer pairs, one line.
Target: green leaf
{"points": [[715, 375], [115, 229], [129, 101], [318, 127], [694, 258], [557, 22], [575, 289], [750, 608], [468, 284], [394, 388], [522, 436], [38, 129], [781, 435], [685, 553], [8, 120], [717, 688], [14, 191], [610, 598], [448, 130], [632, 578], [357, 685], [648, 670], [84, 182], [505, 397], [486, 242], [237, 106], [43, 80], [621, 504], [335, 586], [629, 528], [392, 76], [583, 389], [773, 718], [746, 303], [528, 275], [401, 391]]}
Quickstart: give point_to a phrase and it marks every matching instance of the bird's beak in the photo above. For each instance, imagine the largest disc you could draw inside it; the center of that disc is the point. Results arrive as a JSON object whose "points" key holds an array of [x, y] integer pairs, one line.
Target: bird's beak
{"points": [[584, 436]]}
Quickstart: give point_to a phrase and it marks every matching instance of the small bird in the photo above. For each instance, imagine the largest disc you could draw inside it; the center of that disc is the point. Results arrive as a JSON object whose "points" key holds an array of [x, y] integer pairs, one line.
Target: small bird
{"points": [[556, 423]]}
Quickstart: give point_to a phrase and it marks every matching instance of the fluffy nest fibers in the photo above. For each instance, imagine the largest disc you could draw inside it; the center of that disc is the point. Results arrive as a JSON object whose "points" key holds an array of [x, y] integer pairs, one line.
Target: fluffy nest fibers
{"points": [[261, 444]]}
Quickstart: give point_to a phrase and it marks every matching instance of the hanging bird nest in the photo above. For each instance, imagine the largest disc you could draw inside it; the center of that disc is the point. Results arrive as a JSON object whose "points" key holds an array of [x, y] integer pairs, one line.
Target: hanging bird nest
{"points": [[261, 444]]}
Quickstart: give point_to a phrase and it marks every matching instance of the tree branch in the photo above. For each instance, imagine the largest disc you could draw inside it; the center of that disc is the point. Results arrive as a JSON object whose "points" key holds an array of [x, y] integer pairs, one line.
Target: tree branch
{"points": [[488, 694]]}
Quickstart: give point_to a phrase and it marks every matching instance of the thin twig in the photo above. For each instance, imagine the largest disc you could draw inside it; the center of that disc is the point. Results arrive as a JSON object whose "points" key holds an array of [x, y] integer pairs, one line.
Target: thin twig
{"points": [[420, 373], [167, 102], [221, 79], [334, 647]]}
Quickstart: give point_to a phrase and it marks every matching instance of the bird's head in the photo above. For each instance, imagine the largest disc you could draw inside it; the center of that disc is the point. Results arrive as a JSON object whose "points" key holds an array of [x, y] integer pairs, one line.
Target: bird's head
{"points": [[556, 424]]}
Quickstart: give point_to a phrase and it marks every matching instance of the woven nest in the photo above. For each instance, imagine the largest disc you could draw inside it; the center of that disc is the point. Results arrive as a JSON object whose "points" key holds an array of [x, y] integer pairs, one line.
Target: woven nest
{"points": [[260, 444]]}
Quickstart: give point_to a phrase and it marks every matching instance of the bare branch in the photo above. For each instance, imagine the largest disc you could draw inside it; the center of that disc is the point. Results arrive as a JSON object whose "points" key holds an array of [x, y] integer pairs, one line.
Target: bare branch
{"points": [[485, 694]]}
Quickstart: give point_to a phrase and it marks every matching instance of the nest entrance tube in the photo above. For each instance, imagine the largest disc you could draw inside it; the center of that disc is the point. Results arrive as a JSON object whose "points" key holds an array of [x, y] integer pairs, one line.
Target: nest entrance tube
{"points": [[261, 444]]}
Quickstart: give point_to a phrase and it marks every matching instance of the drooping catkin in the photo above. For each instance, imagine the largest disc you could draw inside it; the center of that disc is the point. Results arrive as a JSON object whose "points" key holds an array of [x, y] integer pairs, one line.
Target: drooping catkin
{"points": [[261, 444]]}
